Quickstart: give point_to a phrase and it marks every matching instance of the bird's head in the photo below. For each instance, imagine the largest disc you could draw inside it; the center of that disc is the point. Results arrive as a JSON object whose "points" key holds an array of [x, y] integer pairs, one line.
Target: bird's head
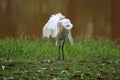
{"points": [[66, 24]]}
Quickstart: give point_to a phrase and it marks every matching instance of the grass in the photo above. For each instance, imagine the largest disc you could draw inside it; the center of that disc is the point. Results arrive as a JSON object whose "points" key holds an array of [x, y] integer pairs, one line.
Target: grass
{"points": [[36, 59]]}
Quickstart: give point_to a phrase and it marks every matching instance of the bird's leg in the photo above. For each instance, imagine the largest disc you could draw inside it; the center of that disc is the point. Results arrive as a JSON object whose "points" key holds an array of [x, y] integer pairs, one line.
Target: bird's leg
{"points": [[63, 49], [59, 45], [59, 53]]}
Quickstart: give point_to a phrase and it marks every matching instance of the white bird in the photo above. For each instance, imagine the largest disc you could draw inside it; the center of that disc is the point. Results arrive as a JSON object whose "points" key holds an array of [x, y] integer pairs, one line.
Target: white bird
{"points": [[58, 27]]}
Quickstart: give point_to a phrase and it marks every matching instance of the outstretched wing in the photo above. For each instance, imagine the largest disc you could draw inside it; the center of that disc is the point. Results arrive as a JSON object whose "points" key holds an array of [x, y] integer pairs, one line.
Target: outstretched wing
{"points": [[50, 28]]}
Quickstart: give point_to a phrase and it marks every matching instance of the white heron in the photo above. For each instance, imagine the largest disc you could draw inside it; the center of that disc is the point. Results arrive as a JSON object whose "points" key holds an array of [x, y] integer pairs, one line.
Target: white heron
{"points": [[58, 27]]}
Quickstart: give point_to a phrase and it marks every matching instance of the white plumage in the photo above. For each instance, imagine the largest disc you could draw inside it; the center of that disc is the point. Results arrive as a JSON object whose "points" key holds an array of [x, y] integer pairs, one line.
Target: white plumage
{"points": [[58, 27], [51, 30]]}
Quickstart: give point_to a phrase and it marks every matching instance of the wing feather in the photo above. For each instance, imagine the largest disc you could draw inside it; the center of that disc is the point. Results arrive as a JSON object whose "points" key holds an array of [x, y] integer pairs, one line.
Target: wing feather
{"points": [[50, 28]]}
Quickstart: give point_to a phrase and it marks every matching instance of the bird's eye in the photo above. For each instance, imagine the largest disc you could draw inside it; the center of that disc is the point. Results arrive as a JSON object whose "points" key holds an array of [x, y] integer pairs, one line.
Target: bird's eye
{"points": [[67, 26]]}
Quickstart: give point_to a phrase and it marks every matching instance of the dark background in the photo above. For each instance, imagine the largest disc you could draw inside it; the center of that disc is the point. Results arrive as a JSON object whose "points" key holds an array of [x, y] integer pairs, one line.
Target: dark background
{"points": [[89, 17]]}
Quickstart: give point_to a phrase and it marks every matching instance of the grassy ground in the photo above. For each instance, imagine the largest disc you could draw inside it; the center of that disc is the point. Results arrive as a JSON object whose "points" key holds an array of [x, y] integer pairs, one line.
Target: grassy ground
{"points": [[22, 59]]}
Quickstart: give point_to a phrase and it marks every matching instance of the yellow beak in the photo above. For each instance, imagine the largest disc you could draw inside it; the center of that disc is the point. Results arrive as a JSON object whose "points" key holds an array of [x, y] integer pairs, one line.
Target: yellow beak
{"points": [[61, 27]]}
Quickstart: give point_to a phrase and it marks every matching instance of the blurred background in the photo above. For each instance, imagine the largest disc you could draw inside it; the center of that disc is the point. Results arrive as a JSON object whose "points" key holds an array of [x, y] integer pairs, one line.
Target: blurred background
{"points": [[89, 17]]}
